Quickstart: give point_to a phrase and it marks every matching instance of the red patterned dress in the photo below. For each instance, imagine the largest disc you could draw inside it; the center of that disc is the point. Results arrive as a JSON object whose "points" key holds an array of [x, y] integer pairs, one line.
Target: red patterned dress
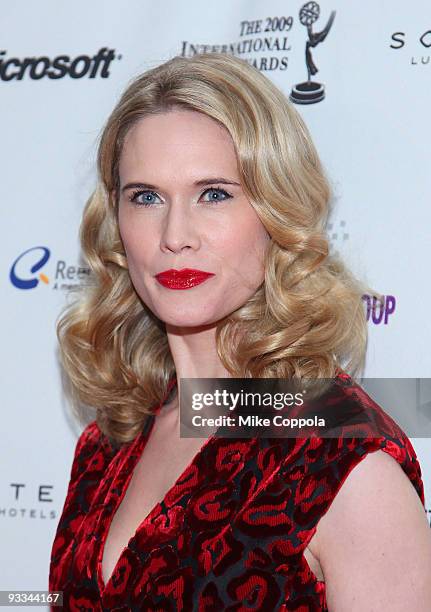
{"points": [[231, 532]]}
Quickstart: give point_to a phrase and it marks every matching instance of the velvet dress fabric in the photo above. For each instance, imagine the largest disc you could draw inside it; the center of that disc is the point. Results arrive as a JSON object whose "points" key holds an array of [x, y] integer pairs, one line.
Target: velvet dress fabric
{"points": [[231, 532]]}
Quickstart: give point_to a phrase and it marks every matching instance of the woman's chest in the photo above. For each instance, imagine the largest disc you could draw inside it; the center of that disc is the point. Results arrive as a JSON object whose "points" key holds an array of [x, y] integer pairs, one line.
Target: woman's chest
{"points": [[155, 474], [146, 490], [226, 532], [213, 533]]}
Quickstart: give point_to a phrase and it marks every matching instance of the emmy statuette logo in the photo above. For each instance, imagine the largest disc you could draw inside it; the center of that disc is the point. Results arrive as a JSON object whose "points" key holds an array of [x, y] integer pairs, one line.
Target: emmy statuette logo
{"points": [[310, 91]]}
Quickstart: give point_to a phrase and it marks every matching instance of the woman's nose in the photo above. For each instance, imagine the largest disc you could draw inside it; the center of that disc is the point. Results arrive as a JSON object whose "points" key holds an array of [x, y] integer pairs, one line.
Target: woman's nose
{"points": [[179, 228]]}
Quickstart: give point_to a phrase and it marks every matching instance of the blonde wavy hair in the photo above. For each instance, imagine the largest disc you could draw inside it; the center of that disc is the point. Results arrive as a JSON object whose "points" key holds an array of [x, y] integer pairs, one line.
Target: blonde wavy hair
{"points": [[306, 319]]}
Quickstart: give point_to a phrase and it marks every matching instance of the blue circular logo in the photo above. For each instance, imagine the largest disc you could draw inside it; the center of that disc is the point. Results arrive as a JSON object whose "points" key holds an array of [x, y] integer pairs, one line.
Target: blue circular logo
{"points": [[30, 283]]}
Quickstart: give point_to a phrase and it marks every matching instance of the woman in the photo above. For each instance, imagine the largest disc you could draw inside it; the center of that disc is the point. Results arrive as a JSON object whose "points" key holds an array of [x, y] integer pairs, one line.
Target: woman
{"points": [[205, 237]]}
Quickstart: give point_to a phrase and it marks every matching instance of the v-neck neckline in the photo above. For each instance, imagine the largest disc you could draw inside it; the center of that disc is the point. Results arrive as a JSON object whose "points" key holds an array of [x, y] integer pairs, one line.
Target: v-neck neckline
{"points": [[129, 462]]}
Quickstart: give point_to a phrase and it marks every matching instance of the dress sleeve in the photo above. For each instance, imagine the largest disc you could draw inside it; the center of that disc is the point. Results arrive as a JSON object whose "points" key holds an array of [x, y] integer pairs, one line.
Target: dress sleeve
{"points": [[351, 451], [339, 457], [315, 476], [91, 456], [87, 444], [334, 458]]}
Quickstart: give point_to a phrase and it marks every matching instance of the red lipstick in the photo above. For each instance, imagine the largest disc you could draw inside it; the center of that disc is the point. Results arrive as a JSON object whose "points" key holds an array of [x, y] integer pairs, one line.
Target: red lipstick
{"points": [[182, 279]]}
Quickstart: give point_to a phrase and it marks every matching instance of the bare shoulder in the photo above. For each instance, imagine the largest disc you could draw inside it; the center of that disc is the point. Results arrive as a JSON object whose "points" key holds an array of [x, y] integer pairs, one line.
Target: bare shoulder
{"points": [[374, 542]]}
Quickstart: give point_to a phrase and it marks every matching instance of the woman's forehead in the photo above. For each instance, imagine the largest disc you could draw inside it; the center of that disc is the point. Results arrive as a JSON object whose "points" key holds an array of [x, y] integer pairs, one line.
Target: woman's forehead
{"points": [[178, 127], [189, 145]]}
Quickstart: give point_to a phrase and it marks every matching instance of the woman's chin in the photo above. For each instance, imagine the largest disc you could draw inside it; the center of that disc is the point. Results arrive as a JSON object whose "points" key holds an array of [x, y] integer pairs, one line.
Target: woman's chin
{"points": [[176, 322], [188, 318]]}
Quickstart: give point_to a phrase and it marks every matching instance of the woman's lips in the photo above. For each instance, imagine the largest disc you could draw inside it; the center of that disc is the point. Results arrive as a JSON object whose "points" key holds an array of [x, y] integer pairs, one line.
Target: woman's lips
{"points": [[182, 279]]}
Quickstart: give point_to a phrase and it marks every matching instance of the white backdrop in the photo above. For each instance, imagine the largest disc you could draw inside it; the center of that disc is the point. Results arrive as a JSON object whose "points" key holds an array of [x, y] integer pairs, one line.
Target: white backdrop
{"points": [[372, 131]]}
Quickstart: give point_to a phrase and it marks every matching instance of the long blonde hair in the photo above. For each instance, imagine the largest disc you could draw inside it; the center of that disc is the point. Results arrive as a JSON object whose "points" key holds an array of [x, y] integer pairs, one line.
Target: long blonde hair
{"points": [[307, 317]]}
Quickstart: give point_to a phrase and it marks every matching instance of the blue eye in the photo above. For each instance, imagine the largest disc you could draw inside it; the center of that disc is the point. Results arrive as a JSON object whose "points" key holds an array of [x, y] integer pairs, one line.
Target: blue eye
{"points": [[224, 193], [142, 198]]}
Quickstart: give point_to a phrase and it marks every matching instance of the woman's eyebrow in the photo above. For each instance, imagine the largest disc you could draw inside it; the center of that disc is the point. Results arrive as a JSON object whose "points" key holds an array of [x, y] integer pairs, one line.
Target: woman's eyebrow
{"points": [[209, 181], [200, 183]]}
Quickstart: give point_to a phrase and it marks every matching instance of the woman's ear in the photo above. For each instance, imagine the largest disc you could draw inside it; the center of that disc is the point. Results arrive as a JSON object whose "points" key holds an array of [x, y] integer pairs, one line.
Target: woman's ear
{"points": [[113, 195]]}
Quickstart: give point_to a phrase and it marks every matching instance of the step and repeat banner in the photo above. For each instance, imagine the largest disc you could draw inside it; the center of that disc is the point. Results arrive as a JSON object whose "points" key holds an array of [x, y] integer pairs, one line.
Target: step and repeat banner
{"points": [[63, 66]]}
